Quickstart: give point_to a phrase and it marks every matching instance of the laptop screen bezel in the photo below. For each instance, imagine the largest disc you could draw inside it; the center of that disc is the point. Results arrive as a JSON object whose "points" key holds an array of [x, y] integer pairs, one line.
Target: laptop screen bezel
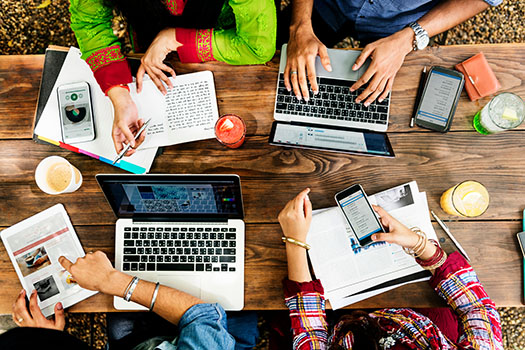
{"points": [[105, 179]]}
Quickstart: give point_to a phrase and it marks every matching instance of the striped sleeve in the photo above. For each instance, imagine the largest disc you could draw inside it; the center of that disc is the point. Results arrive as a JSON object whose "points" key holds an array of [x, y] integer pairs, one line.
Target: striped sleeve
{"points": [[458, 284], [308, 318]]}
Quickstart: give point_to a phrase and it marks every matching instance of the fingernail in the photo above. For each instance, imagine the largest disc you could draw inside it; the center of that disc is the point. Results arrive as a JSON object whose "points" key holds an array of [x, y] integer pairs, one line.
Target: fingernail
{"points": [[357, 101], [307, 198], [352, 89], [22, 292], [299, 98], [33, 292], [354, 67], [60, 306], [288, 89], [329, 68], [380, 100], [316, 92], [307, 99], [374, 237], [367, 103]]}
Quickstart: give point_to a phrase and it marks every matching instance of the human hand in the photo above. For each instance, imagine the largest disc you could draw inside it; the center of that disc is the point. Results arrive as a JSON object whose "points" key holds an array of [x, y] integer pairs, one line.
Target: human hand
{"points": [[95, 272], [303, 48], [153, 60], [126, 121], [397, 233], [34, 316], [387, 56], [296, 216]]}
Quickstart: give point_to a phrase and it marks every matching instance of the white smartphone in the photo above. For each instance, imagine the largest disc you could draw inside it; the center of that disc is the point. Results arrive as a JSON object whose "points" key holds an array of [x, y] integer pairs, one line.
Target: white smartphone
{"points": [[76, 113]]}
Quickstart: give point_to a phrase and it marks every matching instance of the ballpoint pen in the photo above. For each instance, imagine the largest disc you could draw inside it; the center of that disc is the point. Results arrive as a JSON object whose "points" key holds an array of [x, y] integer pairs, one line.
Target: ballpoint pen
{"points": [[128, 146], [447, 231], [418, 96]]}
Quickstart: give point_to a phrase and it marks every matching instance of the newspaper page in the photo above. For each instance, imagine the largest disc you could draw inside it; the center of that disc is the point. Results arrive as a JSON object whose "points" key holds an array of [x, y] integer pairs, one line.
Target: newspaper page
{"points": [[345, 268], [34, 246]]}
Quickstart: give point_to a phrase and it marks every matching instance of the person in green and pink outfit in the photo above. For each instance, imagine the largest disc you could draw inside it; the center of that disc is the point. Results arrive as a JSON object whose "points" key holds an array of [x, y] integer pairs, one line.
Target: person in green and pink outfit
{"points": [[237, 32]]}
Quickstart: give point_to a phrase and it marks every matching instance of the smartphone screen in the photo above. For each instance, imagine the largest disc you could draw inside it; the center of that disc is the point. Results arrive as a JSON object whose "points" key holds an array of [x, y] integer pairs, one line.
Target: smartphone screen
{"points": [[76, 114], [359, 213], [439, 99]]}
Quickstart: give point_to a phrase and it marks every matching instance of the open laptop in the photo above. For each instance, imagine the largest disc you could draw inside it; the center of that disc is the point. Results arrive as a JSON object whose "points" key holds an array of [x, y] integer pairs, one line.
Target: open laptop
{"points": [[335, 104], [184, 231]]}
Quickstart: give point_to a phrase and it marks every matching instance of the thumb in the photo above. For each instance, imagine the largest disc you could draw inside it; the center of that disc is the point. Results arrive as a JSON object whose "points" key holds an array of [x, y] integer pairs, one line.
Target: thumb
{"points": [[307, 207], [60, 317], [127, 133], [381, 237], [65, 263], [362, 57], [325, 59]]}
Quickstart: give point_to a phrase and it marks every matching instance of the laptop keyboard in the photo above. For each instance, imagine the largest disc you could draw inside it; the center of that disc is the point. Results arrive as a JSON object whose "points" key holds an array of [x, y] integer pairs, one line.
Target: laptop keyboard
{"points": [[179, 249], [334, 101]]}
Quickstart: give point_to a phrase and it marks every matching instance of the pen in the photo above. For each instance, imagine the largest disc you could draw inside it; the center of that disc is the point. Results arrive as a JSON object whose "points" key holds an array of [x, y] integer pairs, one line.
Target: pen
{"points": [[447, 231], [128, 146], [418, 96]]}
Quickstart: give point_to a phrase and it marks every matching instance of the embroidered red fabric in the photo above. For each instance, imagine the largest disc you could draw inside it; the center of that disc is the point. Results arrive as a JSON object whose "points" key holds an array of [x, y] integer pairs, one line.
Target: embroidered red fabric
{"points": [[115, 73]]}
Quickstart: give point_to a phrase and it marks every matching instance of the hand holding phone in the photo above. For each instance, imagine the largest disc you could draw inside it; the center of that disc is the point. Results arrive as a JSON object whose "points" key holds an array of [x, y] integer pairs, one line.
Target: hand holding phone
{"points": [[359, 213]]}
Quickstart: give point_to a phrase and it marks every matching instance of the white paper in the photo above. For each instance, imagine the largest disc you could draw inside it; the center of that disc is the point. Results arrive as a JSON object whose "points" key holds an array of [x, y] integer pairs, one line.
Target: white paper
{"points": [[74, 70], [187, 113], [345, 271], [34, 246]]}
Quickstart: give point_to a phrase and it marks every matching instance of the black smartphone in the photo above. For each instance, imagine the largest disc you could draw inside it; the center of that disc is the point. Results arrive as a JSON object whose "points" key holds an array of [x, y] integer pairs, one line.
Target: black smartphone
{"points": [[439, 99], [359, 213]]}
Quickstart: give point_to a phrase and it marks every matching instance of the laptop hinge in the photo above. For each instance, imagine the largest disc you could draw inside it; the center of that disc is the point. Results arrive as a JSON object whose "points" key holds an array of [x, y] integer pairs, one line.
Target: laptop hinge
{"points": [[174, 220]]}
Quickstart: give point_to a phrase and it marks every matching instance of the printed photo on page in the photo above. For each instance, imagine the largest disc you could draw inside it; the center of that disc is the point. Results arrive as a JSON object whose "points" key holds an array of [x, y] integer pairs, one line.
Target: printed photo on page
{"points": [[34, 246]]}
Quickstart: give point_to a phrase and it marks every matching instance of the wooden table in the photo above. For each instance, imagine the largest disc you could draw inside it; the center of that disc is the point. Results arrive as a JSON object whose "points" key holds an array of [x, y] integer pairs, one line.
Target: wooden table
{"points": [[273, 175]]}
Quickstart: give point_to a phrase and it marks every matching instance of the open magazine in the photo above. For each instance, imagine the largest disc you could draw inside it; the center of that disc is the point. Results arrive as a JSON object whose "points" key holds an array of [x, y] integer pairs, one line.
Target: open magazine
{"points": [[34, 246], [351, 273]]}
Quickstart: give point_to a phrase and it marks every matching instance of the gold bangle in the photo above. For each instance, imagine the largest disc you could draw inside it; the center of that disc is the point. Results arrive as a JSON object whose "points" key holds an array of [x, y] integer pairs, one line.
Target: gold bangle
{"points": [[296, 242], [420, 246]]}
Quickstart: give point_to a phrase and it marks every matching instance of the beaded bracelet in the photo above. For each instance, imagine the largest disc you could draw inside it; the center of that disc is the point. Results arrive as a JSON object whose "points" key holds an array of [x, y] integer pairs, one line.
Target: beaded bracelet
{"points": [[296, 242]]}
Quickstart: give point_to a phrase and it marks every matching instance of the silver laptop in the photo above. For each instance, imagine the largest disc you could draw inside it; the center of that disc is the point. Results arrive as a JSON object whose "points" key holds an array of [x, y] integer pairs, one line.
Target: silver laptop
{"points": [[184, 231], [335, 104]]}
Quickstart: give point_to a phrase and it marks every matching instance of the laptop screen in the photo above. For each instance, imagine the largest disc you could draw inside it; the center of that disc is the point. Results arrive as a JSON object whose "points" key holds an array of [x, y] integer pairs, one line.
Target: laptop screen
{"points": [[173, 196]]}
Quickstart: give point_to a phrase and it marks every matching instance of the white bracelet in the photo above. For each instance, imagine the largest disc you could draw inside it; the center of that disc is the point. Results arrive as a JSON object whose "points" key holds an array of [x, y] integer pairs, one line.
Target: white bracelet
{"points": [[131, 288]]}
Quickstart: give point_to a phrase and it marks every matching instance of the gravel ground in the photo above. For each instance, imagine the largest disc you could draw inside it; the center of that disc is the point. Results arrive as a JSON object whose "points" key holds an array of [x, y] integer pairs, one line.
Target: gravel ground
{"points": [[29, 26]]}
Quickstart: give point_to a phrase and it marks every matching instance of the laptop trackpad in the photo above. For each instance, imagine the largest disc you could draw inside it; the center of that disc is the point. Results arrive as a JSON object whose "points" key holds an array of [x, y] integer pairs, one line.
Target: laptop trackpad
{"points": [[188, 284]]}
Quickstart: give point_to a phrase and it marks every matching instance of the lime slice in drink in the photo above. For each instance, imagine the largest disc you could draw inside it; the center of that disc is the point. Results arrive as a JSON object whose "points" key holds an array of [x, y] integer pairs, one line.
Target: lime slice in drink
{"points": [[510, 114]]}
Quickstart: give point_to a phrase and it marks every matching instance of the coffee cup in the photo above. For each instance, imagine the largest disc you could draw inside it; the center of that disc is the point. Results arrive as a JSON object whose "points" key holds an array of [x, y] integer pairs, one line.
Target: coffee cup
{"points": [[55, 175]]}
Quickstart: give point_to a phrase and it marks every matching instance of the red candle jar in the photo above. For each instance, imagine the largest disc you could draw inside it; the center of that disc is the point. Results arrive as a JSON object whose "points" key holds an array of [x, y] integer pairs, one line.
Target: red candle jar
{"points": [[230, 130]]}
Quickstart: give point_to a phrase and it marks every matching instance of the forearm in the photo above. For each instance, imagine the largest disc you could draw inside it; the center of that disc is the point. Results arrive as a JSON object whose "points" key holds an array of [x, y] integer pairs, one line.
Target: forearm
{"points": [[171, 304], [301, 13], [297, 264], [450, 13]]}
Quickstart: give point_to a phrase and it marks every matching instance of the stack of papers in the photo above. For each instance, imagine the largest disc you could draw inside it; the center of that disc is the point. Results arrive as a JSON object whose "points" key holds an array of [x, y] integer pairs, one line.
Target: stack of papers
{"points": [[350, 273], [187, 113]]}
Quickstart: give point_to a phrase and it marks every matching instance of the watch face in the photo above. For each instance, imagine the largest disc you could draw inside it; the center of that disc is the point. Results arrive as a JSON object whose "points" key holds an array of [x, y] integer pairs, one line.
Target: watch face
{"points": [[422, 42]]}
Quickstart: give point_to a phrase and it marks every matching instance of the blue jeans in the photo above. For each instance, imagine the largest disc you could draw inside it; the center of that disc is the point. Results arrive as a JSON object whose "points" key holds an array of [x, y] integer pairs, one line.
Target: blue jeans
{"points": [[203, 326]]}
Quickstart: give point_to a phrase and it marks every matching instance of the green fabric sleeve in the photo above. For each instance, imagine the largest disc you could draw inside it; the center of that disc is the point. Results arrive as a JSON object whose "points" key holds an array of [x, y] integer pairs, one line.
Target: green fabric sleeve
{"points": [[252, 41], [91, 22]]}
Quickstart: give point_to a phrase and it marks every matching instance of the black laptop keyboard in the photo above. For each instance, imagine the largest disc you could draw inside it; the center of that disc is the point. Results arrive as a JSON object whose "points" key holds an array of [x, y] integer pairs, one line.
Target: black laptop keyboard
{"points": [[179, 249], [334, 101]]}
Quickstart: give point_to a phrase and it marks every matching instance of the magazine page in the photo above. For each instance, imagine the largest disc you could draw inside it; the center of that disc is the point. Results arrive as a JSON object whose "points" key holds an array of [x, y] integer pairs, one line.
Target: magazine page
{"points": [[34, 246], [344, 267]]}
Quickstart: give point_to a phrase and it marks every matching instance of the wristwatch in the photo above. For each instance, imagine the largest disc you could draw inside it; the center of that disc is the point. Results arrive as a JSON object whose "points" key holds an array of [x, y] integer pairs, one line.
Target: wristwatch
{"points": [[422, 39]]}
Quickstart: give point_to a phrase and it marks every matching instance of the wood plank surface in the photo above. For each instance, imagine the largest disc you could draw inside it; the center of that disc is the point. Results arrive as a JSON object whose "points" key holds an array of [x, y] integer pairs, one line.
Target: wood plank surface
{"points": [[270, 175], [250, 90], [492, 247]]}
